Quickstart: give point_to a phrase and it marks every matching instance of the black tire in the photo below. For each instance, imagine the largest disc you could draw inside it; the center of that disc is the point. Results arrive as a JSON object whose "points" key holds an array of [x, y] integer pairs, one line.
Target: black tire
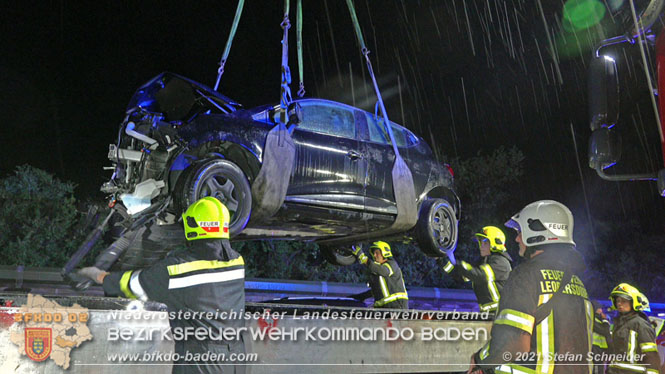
{"points": [[227, 182], [337, 255], [436, 230]]}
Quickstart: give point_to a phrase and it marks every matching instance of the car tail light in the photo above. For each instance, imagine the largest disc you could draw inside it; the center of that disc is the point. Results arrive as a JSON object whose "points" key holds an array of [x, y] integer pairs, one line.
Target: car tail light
{"points": [[450, 169]]}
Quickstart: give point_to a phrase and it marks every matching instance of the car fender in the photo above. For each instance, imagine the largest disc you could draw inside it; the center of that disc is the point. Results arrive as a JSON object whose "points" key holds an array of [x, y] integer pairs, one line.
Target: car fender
{"points": [[250, 135], [444, 193], [239, 141]]}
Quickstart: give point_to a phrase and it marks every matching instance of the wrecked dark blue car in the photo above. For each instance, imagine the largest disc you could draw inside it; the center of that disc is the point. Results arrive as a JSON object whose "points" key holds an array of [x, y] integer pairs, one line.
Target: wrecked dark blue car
{"points": [[181, 141]]}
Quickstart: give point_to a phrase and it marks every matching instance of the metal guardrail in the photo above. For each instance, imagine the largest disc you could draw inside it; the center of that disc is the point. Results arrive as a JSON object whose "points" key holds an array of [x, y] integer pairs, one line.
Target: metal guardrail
{"points": [[50, 281]]}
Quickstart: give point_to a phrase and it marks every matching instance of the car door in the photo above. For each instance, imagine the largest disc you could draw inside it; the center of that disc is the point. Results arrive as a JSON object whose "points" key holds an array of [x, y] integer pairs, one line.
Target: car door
{"points": [[329, 167], [379, 195]]}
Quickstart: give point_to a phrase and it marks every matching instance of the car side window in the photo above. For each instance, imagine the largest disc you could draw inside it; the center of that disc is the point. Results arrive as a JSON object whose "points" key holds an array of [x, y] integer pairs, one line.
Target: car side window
{"points": [[328, 119], [377, 132], [398, 133]]}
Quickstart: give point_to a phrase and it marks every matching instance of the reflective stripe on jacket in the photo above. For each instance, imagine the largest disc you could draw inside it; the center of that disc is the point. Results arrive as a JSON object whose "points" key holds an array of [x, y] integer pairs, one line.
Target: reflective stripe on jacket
{"points": [[634, 342], [488, 278], [208, 276], [561, 341], [387, 285]]}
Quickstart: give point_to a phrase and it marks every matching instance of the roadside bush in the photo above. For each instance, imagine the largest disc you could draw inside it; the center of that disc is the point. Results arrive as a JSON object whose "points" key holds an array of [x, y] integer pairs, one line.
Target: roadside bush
{"points": [[38, 219]]}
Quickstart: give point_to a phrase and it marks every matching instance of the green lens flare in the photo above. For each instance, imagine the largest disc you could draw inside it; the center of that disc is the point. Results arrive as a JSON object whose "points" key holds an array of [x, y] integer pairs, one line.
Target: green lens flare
{"points": [[582, 14]]}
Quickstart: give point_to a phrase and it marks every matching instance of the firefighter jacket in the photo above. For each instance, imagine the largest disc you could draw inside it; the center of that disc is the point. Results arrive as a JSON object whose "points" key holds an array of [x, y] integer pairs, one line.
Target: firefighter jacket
{"points": [[633, 345], [209, 276], [387, 285], [488, 278], [560, 342], [601, 336]]}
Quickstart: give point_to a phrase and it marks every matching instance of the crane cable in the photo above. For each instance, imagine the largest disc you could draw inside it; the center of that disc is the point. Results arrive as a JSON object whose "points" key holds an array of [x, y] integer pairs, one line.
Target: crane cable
{"points": [[232, 34]]}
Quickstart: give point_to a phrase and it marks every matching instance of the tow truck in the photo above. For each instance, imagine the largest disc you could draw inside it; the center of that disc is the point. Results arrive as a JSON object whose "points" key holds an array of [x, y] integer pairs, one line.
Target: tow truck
{"points": [[604, 93]]}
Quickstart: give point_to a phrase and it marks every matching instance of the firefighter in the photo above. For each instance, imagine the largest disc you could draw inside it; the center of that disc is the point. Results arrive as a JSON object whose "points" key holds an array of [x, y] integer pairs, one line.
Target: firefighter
{"points": [[633, 337], [601, 337], [208, 276], [385, 277], [488, 278], [544, 321]]}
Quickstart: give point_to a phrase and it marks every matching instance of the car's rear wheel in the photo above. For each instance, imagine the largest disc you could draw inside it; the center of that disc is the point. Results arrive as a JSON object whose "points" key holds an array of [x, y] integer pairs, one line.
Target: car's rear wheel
{"points": [[225, 181], [337, 255], [436, 230]]}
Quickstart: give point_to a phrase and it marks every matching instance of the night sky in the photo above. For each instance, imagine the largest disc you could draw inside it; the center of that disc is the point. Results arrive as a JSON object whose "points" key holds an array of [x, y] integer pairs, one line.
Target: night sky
{"points": [[467, 76]]}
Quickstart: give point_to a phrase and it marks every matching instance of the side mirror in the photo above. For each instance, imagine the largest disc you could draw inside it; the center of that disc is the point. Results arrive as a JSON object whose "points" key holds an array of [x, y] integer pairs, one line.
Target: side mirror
{"points": [[604, 148], [603, 86]]}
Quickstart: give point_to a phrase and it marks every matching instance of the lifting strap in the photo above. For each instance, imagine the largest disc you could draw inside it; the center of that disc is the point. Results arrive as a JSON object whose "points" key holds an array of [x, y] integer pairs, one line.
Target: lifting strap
{"points": [[301, 90], [403, 189], [365, 52], [285, 91], [271, 184], [232, 34]]}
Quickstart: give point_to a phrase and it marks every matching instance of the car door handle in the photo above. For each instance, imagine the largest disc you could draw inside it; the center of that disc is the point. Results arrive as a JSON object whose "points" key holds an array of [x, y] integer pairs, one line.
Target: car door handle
{"points": [[353, 155]]}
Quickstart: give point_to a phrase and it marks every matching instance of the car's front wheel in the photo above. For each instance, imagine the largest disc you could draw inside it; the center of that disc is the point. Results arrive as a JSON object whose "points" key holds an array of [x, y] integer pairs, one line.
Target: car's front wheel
{"points": [[337, 255], [436, 230], [225, 181]]}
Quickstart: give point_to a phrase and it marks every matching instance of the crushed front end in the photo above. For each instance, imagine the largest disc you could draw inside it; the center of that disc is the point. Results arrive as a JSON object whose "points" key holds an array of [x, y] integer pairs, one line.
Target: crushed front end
{"points": [[148, 148]]}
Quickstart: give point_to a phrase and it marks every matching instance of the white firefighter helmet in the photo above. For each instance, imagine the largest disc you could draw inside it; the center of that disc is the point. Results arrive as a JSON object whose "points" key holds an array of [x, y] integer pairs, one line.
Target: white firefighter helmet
{"points": [[544, 222]]}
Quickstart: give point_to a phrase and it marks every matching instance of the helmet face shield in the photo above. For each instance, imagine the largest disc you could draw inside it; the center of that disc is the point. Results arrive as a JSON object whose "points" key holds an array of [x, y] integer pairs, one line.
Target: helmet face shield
{"points": [[512, 224], [481, 239]]}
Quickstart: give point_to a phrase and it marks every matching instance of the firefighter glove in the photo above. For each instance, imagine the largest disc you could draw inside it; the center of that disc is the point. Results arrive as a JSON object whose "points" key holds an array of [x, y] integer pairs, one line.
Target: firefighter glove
{"points": [[358, 252], [97, 275]]}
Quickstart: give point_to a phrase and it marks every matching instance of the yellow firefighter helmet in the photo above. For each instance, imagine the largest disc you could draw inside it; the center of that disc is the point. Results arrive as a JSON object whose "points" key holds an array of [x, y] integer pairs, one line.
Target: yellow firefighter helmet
{"points": [[383, 247], [207, 218], [495, 236], [628, 292]]}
